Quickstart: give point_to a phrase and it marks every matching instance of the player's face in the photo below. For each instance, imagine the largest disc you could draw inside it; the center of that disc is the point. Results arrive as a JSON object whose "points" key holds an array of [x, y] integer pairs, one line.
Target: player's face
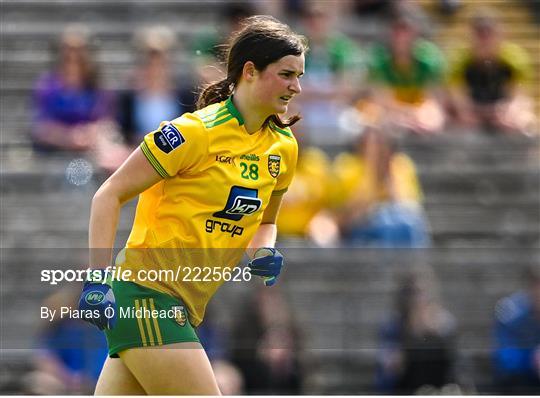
{"points": [[278, 83]]}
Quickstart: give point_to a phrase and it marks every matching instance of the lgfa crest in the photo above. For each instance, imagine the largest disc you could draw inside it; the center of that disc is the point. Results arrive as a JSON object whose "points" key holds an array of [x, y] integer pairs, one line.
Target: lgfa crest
{"points": [[179, 314], [273, 165]]}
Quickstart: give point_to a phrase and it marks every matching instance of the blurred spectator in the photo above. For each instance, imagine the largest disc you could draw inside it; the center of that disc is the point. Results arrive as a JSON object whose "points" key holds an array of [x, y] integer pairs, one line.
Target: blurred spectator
{"points": [[214, 339], [382, 8], [334, 71], [70, 352], [381, 193], [407, 75], [418, 341], [363, 112], [517, 339], [230, 18], [385, 10], [154, 95], [308, 195], [449, 7], [206, 49], [71, 111], [534, 7], [487, 80], [266, 346]]}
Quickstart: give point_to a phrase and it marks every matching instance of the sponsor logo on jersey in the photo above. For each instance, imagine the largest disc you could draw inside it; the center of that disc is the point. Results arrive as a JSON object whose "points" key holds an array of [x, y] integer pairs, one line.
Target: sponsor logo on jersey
{"points": [[225, 159], [251, 157], [168, 138], [223, 226], [244, 205], [179, 314], [241, 202], [273, 165]]}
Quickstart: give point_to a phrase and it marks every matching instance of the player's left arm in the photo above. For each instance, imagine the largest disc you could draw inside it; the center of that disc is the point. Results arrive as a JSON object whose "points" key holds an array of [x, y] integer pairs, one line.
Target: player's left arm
{"points": [[266, 261], [267, 232]]}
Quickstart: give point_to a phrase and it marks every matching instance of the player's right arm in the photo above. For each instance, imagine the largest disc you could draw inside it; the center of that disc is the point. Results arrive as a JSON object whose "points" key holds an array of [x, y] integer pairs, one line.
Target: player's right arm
{"points": [[133, 177], [174, 148]]}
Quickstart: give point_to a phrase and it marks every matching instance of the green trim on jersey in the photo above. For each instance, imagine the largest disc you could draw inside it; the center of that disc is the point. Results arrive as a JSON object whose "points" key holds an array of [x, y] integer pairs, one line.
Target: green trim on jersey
{"points": [[232, 109], [219, 122], [212, 116], [153, 161], [222, 115], [147, 318]]}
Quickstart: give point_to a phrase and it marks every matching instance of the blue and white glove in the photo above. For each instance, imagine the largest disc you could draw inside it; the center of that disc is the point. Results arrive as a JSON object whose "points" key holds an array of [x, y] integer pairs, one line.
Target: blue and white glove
{"points": [[267, 263], [97, 302]]}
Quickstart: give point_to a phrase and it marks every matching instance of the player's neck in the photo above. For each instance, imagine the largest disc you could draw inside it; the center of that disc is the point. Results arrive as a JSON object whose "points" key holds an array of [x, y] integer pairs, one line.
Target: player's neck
{"points": [[252, 120]]}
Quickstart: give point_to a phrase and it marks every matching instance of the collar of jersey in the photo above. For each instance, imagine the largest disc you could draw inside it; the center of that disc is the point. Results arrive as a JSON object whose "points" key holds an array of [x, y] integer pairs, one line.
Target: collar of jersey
{"points": [[232, 109]]}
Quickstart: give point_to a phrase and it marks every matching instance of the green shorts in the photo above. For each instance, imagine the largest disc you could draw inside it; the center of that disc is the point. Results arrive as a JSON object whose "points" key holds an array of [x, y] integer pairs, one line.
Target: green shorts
{"points": [[147, 318]]}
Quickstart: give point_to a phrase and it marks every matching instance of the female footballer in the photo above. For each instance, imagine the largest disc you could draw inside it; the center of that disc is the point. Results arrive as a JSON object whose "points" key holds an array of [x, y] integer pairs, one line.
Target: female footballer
{"points": [[212, 179]]}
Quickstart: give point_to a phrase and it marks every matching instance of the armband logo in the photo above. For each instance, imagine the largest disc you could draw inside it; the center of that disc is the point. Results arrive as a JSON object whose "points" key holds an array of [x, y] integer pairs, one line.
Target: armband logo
{"points": [[168, 138], [94, 297]]}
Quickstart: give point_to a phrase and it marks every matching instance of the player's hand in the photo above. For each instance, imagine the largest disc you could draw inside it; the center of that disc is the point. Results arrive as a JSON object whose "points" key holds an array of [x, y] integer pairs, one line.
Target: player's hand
{"points": [[97, 302], [267, 263]]}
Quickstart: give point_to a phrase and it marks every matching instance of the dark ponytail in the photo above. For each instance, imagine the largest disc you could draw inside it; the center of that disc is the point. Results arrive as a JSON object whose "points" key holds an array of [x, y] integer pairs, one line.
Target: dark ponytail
{"points": [[214, 93], [262, 40], [276, 120]]}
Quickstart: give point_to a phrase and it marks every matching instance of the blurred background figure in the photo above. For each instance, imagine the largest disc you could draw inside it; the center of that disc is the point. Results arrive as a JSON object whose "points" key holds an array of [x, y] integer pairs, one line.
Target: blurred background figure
{"points": [[418, 351], [70, 352], [406, 75], [449, 7], [214, 339], [334, 71], [303, 212], [207, 44], [154, 94], [517, 339], [381, 195], [534, 7], [205, 49], [379, 8], [266, 346], [72, 112], [488, 80], [384, 11]]}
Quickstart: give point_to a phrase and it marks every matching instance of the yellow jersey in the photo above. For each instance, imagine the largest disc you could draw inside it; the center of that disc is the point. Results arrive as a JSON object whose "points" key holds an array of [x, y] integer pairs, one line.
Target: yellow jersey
{"points": [[510, 57], [308, 194], [353, 175], [217, 182]]}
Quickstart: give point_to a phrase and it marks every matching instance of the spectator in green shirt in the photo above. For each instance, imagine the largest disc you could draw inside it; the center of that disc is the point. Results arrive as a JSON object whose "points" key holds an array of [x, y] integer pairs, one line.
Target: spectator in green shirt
{"points": [[334, 70], [406, 73]]}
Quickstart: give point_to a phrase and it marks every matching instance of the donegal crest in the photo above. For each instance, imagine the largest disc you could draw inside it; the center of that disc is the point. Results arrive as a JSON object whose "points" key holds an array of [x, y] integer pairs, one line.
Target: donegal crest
{"points": [[273, 165], [180, 314]]}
